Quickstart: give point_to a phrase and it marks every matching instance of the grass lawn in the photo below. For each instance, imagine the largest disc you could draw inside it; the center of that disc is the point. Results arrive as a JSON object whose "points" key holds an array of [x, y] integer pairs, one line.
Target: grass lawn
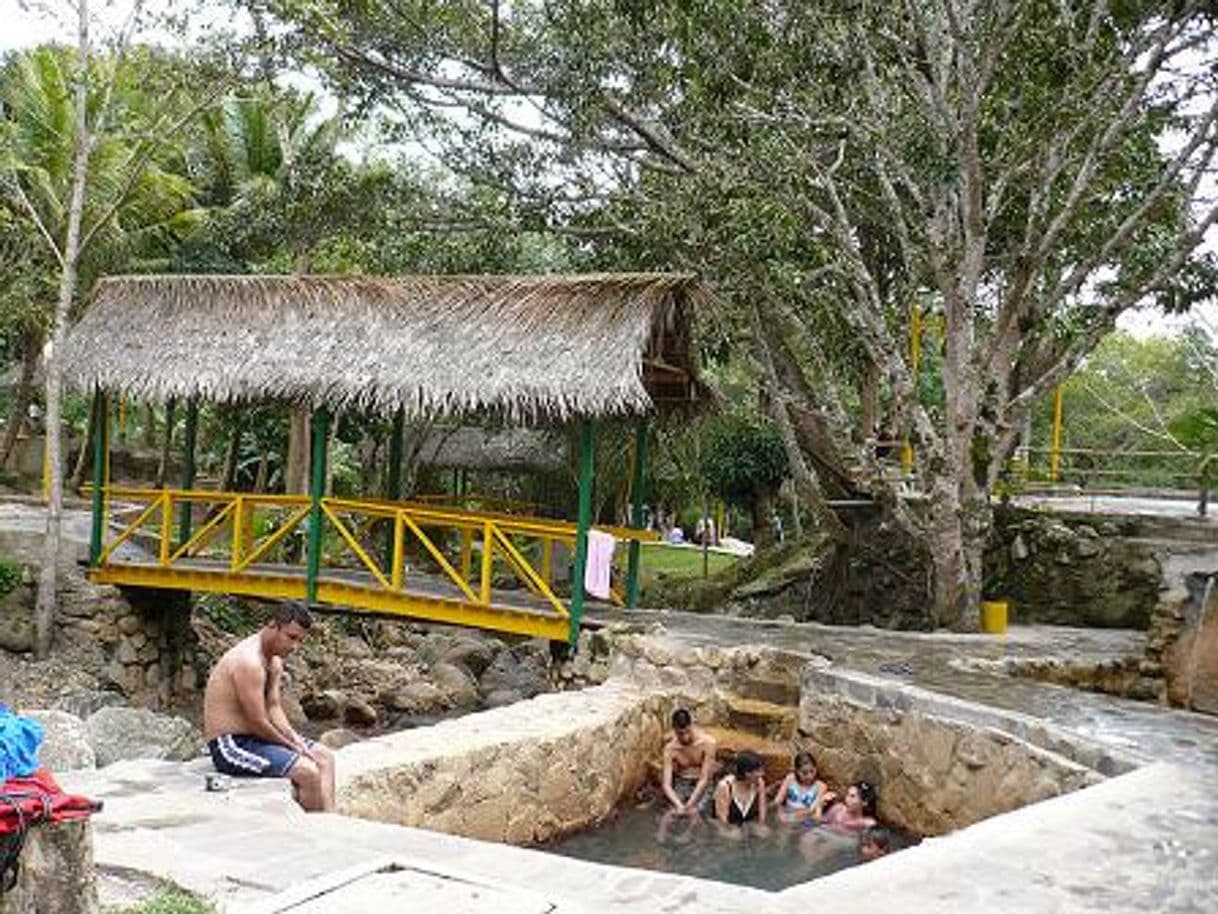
{"points": [[661, 560]]}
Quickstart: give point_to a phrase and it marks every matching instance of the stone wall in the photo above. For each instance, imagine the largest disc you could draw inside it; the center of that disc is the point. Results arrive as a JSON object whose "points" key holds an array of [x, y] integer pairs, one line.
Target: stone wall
{"points": [[138, 642], [56, 875], [1074, 570], [939, 763], [1183, 641], [521, 774]]}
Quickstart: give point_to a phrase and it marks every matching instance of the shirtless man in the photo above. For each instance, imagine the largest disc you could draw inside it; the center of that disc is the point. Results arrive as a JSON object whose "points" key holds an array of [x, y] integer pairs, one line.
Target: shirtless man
{"points": [[247, 731], [689, 763]]}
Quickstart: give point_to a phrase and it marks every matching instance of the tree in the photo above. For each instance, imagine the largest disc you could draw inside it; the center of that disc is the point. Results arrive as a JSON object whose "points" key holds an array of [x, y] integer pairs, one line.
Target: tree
{"points": [[745, 462], [1002, 166], [83, 151]]}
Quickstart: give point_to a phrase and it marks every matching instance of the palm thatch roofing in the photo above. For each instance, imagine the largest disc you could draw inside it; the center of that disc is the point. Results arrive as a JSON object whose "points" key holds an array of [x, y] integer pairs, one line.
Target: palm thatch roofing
{"points": [[524, 347]]}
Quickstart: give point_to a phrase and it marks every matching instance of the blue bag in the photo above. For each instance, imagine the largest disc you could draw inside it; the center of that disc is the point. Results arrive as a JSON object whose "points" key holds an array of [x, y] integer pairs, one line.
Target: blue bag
{"points": [[20, 739]]}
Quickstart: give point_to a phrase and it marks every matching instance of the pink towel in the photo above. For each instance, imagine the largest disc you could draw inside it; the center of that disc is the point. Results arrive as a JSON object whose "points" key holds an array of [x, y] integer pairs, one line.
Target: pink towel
{"points": [[600, 561]]}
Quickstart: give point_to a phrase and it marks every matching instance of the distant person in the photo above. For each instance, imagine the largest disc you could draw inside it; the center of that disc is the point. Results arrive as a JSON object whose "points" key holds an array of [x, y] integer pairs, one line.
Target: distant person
{"points": [[874, 843], [801, 795], [776, 525], [689, 764], [247, 731], [854, 813], [676, 536], [704, 532], [740, 797]]}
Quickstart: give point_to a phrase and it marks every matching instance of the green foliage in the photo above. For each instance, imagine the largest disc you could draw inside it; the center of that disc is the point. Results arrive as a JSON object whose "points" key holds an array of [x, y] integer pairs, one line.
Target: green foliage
{"points": [[10, 575], [744, 457], [229, 613], [170, 900]]}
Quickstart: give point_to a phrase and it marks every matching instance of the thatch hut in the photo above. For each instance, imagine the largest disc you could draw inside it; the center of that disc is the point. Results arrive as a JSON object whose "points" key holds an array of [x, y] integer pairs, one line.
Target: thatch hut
{"points": [[523, 349]]}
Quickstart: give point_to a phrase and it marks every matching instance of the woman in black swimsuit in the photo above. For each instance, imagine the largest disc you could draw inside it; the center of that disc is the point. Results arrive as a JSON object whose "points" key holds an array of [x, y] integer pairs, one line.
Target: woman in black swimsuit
{"points": [[740, 797]]}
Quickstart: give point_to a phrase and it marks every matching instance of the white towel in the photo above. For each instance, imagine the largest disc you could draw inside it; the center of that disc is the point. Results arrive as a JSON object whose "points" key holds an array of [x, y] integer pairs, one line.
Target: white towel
{"points": [[600, 563]]}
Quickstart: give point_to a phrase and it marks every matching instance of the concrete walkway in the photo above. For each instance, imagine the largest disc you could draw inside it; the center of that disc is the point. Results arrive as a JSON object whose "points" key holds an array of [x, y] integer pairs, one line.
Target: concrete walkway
{"points": [[1146, 841]]}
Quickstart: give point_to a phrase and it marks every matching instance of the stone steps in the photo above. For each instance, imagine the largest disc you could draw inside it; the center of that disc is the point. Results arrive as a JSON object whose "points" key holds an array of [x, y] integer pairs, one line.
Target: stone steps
{"points": [[762, 718]]}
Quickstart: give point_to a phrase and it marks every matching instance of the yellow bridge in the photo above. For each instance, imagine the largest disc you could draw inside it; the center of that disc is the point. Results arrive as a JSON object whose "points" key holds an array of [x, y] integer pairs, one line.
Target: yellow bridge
{"points": [[486, 569]]}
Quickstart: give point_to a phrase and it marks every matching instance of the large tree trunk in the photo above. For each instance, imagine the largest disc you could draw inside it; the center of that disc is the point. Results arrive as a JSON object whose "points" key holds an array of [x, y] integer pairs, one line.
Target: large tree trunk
{"points": [[763, 521], [296, 464], [31, 348], [48, 579]]}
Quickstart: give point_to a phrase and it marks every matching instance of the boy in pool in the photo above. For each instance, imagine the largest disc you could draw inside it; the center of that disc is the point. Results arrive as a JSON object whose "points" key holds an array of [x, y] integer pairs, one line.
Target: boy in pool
{"points": [[689, 763], [875, 842], [801, 795]]}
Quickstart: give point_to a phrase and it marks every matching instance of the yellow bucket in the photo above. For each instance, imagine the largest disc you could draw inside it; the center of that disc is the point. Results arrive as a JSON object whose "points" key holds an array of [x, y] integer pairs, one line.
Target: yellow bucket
{"points": [[994, 616]]}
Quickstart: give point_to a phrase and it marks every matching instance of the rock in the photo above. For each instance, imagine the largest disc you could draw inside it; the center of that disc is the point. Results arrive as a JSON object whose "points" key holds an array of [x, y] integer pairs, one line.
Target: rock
{"points": [[508, 672], [323, 705], [1019, 549], [501, 697], [339, 737], [1086, 548], [471, 653], [359, 713], [56, 875], [65, 743], [82, 704], [292, 709], [415, 698], [457, 685], [16, 634], [127, 733], [356, 647]]}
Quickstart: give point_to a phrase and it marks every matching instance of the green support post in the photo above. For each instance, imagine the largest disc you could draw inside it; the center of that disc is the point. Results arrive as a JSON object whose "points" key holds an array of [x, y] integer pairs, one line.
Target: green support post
{"points": [[393, 481], [100, 446], [189, 440], [317, 489], [587, 459], [636, 511]]}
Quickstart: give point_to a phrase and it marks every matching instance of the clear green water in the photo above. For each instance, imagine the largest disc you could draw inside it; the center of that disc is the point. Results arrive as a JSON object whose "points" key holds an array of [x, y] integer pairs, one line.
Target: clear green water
{"points": [[773, 858]]}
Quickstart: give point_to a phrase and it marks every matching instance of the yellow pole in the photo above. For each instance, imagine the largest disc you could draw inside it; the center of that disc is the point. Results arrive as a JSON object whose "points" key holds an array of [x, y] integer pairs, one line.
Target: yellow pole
{"points": [[915, 359], [1055, 449]]}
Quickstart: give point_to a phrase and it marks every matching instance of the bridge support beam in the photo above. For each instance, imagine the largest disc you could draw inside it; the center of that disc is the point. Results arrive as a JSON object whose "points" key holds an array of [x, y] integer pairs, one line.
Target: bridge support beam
{"points": [[101, 444], [190, 438], [587, 463], [636, 510], [317, 490]]}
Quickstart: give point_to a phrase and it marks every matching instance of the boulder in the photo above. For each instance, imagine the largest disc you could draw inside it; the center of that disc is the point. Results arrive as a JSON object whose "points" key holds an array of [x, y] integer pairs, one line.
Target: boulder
{"points": [[127, 733], [457, 685], [359, 713], [507, 672], [471, 653], [501, 697], [65, 743], [415, 698], [325, 705], [339, 737]]}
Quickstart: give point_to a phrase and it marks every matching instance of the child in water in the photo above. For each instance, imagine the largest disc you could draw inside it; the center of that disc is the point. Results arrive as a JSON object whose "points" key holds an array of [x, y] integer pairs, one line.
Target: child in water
{"points": [[856, 812], [801, 795], [740, 797], [875, 842]]}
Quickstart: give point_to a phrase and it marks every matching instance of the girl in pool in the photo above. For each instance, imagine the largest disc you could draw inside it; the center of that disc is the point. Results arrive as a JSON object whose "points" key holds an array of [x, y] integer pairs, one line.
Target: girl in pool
{"points": [[801, 795], [740, 797], [856, 812]]}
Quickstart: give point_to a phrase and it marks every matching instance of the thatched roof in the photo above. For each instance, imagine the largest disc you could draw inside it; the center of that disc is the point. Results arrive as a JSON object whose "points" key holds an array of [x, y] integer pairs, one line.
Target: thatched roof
{"points": [[526, 347], [472, 448]]}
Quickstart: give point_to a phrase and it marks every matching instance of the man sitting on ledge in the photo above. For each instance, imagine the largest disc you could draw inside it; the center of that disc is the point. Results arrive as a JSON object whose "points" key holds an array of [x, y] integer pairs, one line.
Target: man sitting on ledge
{"points": [[248, 733]]}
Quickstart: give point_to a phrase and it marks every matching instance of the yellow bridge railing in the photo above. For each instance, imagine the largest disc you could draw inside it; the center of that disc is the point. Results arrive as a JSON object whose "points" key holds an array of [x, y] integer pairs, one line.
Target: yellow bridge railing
{"points": [[412, 559]]}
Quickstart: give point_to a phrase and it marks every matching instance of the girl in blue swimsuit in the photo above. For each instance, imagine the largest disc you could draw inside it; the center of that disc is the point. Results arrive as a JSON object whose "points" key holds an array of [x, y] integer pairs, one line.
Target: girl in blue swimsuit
{"points": [[801, 795]]}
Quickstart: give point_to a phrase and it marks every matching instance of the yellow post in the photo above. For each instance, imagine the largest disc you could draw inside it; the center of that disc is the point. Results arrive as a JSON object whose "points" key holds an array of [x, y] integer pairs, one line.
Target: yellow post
{"points": [[238, 531], [488, 561], [467, 552], [398, 551], [166, 527], [547, 560], [915, 360], [1055, 448]]}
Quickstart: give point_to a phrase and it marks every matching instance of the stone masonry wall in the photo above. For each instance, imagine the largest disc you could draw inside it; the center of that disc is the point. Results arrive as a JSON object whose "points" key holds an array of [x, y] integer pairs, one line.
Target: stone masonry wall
{"points": [[938, 764], [521, 774]]}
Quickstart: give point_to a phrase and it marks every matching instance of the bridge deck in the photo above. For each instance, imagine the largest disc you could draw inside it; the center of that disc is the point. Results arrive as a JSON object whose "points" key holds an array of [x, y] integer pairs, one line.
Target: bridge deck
{"points": [[464, 567]]}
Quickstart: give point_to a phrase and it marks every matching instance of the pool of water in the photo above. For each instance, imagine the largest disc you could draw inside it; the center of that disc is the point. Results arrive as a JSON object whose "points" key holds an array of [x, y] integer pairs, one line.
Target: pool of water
{"points": [[774, 857]]}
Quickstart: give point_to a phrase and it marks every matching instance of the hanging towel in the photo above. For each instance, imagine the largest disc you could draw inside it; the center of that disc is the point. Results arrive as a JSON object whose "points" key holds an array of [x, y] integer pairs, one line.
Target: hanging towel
{"points": [[600, 562], [20, 739]]}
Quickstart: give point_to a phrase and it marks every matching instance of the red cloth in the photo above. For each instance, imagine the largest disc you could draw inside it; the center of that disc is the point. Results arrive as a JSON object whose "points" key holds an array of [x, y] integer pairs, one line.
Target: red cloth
{"points": [[39, 799]]}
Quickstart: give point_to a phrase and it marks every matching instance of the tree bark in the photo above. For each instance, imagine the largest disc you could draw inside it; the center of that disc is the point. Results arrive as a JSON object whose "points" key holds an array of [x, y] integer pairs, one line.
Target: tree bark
{"points": [[763, 527], [83, 455], [148, 432], [228, 473], [296, 464], [31, 347], [47, 597]]}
